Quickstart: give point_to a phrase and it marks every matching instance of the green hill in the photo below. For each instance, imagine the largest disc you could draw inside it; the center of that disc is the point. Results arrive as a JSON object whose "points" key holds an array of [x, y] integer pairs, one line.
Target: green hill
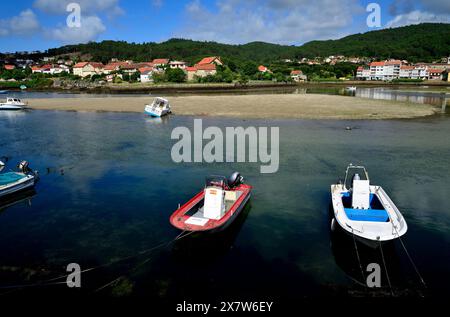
{"points": [[422, 42]]}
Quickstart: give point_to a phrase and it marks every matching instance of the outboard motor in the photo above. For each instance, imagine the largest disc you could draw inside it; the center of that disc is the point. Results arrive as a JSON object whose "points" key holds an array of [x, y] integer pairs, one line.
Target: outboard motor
{"points": [[235, 179], [24, 167]]}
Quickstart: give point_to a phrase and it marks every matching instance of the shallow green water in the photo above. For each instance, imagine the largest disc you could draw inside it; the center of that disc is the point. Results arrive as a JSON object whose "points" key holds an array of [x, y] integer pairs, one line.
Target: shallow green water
{"points": [[108, 186]]}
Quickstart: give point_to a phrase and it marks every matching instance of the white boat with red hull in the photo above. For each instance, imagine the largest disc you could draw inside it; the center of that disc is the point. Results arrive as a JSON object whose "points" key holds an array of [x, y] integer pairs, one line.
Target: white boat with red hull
{"points": [[214, 208]]}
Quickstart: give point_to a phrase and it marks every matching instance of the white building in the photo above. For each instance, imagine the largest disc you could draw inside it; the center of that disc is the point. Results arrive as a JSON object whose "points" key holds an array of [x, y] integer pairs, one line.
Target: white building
{"points": [[146, 76], [391, 69]]}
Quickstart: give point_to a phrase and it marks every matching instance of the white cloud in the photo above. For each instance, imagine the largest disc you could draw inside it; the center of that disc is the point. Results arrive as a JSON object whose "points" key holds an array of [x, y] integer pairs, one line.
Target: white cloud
{"points": [[277, 21], [416, 17], [91, 27], [24, 24], [89, 7]]}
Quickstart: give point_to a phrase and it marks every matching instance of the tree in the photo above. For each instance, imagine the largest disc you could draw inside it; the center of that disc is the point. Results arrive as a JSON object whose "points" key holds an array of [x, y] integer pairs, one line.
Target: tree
{"points": [[175, 75]]}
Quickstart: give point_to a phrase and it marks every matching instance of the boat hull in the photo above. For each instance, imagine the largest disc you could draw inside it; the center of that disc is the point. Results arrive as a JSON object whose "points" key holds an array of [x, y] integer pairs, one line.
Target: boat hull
{"points": [[10, 107], [23, 184], [370, 232], [156, 115]]}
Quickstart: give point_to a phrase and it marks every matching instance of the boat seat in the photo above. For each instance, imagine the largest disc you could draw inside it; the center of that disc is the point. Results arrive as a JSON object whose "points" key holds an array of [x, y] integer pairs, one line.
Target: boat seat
{"points": [[8, 178], [376, 215]]}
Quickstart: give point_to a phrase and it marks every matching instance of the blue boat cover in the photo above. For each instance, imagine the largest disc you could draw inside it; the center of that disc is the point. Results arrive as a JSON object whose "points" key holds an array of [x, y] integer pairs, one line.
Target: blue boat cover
{"points": [[9, 178], [377, 215]]}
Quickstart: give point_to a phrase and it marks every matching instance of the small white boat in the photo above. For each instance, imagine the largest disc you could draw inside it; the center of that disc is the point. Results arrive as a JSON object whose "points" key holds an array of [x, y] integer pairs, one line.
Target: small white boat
{"points": [[158, 108], [13, 182], [3, 92], [350, 88], [13, 104], [365, 210]]}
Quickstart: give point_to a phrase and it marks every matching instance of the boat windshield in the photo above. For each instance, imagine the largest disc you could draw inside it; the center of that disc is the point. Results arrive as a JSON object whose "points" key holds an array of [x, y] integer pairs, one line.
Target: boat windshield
{"points": [[351, 172], [217, 181]]}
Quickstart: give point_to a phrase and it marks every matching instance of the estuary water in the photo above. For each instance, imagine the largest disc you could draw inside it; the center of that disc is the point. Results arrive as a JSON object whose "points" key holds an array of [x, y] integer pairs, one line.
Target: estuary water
{"points": [[108, 186]]}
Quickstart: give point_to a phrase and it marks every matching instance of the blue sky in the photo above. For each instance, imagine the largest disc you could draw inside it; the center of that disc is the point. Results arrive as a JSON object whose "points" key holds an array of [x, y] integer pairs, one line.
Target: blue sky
{"points": [[41, 24]]}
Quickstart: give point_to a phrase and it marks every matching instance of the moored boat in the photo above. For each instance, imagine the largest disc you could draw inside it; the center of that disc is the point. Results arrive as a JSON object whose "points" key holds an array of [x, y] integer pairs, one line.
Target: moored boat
{"points": [[215, 207], [12, 182], [158, 108], [365, 210], [350, 88], [13, 104]]}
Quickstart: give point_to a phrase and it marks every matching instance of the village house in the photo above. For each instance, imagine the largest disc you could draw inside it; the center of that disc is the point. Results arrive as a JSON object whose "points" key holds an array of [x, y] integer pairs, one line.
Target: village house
{"points": [[205, 70], [297, 76], [160, 63], [391, 69], [177, 64], [146, 74], [84, 69], [363, 73], [420, 72], [405, 71], [206, 67], [211, 60], [190, 71], [376, 70], [9, 66], [435, 73]]}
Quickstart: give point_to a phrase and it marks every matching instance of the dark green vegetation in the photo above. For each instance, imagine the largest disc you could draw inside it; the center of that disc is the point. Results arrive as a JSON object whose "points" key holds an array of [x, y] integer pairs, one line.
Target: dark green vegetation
{"points": [[422, 42]]}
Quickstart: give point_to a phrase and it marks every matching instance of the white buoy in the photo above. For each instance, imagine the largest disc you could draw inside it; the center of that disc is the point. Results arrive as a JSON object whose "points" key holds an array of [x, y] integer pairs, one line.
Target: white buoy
{"points": [[2, 164]]}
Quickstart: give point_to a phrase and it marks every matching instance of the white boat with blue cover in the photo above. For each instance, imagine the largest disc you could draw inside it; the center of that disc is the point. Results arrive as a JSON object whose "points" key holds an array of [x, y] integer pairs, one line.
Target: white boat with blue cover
{"points": [[12, 182], [158, 108], [365, 210]]}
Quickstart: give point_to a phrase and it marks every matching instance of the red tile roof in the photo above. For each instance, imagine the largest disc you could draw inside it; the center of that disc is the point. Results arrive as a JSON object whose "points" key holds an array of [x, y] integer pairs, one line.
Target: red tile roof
{"points": [[360, 68], [262, 68], [145, 69], [205, 66], [377, 64], [160, 61], [80, 65], [9, 67], [209, 60], [393, 62], [191, 69], [435, 70], [296, 72]]}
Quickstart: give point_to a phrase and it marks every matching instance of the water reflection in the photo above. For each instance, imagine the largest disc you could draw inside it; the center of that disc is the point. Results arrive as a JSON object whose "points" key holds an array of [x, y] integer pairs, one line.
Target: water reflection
{"points": [[208, 247], [17, 198]]}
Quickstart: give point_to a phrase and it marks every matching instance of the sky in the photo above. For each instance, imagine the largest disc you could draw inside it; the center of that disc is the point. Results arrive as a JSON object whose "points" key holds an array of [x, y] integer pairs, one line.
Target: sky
{"points": [[27, 25]]}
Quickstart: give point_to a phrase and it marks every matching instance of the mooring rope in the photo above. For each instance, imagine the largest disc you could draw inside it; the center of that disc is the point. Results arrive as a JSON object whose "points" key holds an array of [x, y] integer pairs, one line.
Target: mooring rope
{"points": [[51, 281], [409, 257], [385, 268], [359, 260], [179, 237]]}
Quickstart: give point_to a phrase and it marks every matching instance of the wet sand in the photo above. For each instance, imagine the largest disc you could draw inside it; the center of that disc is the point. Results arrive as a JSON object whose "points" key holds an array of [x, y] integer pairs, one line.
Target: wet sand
{"points": [[301, 106]]}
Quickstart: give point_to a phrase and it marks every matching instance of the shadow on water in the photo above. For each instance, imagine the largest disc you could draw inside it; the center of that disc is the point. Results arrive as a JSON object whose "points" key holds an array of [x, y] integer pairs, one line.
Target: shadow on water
{"points": [[354, 257], [21, 197]]}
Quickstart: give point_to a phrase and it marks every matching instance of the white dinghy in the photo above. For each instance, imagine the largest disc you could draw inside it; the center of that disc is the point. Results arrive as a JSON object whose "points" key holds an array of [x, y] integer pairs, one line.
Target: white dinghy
{"points": [[13, 104], [158, 108], [365, 210]]}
